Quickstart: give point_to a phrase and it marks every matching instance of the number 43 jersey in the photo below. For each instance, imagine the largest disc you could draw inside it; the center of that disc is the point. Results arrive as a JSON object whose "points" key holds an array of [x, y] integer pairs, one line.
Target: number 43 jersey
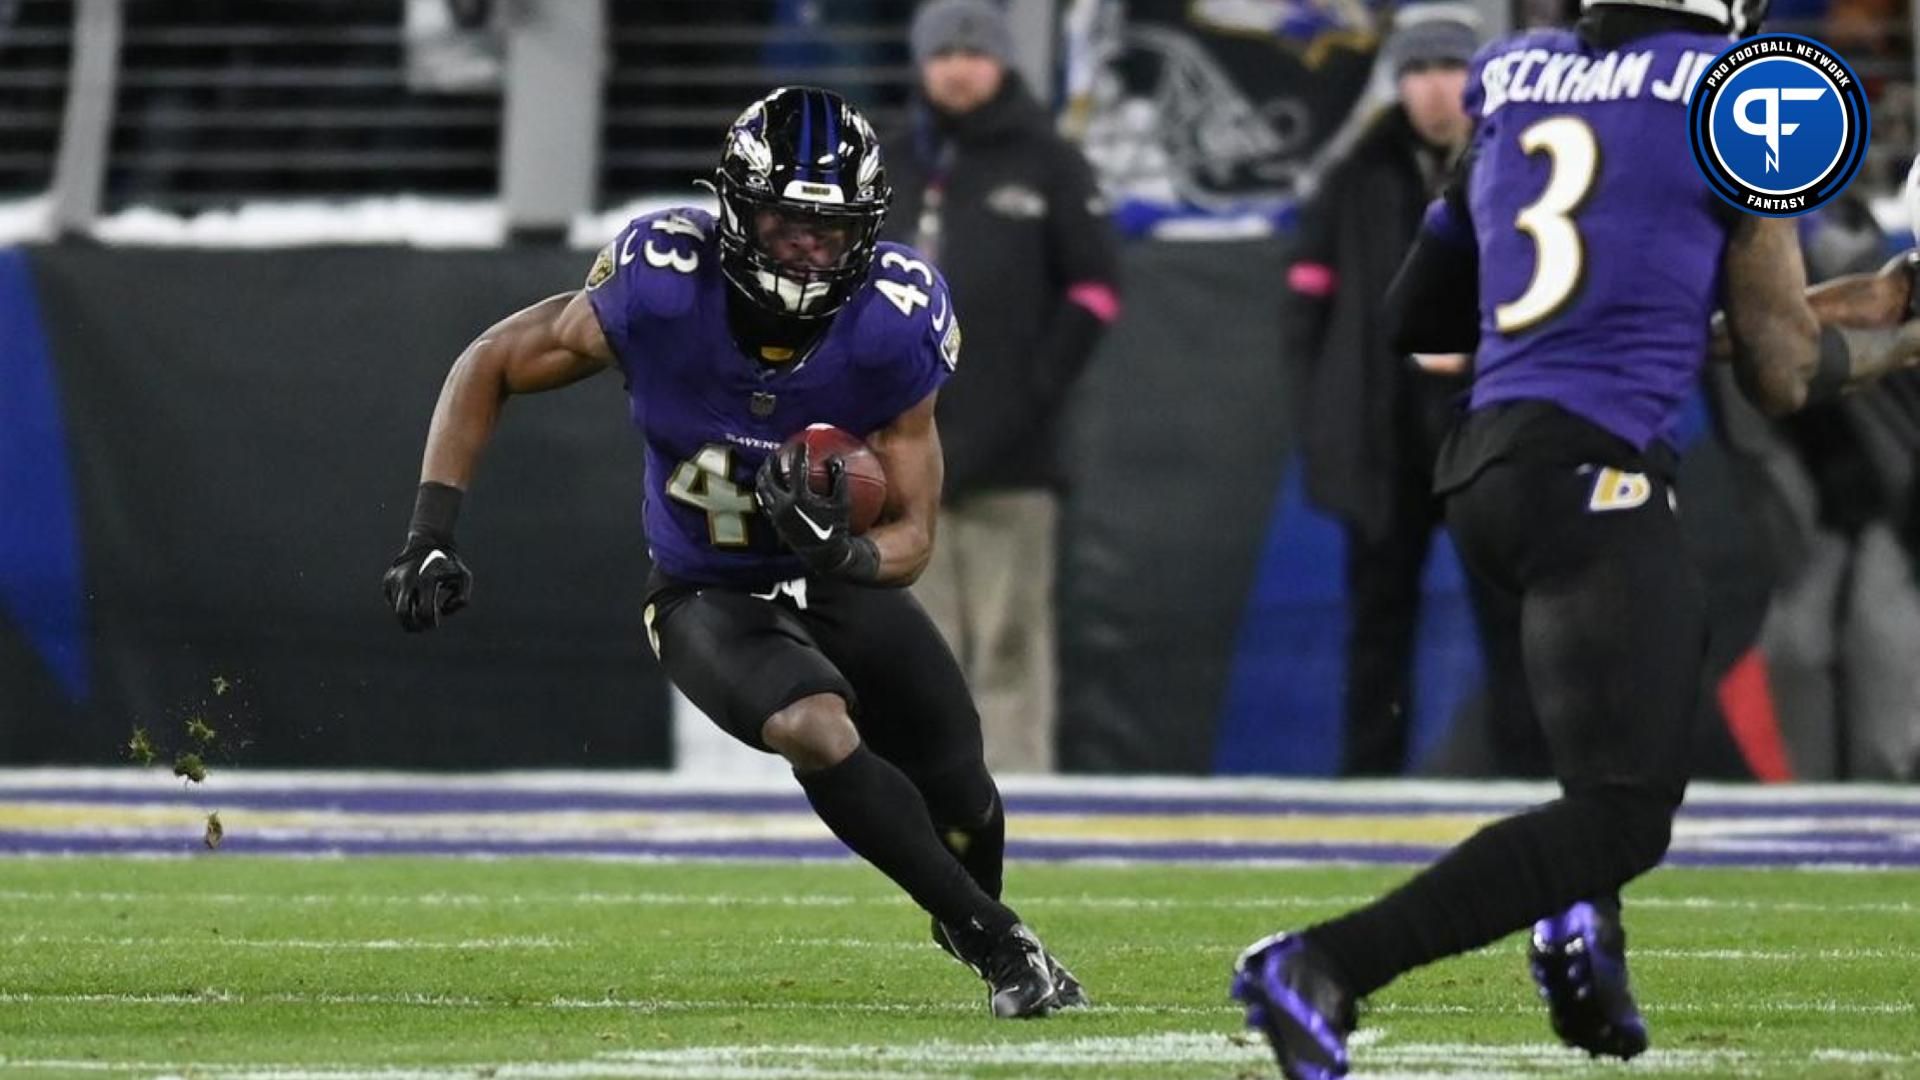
{"points": [[711, 414], [1600, 242]]}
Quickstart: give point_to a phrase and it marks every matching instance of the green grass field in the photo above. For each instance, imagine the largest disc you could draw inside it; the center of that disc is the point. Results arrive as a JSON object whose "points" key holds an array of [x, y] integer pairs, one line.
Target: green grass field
{"points": [[225, 967]]}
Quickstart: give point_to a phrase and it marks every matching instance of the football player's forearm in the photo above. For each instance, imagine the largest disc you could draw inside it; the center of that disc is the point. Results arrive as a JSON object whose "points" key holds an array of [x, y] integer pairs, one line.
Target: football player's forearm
{"points": [[1873, 352], [905, 548], [904, 538], [1788, 374], [1861, 300], [1870, 314], [1775, 359], [1775, 337]]}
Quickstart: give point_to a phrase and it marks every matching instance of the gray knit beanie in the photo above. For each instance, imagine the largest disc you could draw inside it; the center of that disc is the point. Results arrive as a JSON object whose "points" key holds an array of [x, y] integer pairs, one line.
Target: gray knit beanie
{"points": [[961, 26]]}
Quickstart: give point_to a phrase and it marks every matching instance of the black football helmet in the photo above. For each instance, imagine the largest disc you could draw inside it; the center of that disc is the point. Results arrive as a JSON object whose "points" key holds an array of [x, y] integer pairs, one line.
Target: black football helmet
{"points": [[802, 195], [1741, 18]]}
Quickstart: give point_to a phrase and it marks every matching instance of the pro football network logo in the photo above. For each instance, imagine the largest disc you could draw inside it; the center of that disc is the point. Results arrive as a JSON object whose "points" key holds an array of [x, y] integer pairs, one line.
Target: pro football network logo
{"points": [[1779, 124]]}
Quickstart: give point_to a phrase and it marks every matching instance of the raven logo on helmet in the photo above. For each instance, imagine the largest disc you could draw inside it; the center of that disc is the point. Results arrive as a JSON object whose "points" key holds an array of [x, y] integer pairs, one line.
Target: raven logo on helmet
{"points": [[803, 192]]}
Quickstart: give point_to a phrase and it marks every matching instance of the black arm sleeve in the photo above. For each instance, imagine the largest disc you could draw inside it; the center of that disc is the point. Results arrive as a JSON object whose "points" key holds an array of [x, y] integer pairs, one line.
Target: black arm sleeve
{"points": [[1433, 303], [1083, 251]]}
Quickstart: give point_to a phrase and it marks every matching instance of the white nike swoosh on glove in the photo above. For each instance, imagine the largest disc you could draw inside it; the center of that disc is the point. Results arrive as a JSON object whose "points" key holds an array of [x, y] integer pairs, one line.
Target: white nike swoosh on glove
{"points": [[436, 553], [824, 534]]}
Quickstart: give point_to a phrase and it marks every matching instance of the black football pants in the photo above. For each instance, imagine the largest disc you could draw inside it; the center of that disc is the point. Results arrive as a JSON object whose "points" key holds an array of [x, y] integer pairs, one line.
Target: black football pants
{"points": [[1613, 641]]}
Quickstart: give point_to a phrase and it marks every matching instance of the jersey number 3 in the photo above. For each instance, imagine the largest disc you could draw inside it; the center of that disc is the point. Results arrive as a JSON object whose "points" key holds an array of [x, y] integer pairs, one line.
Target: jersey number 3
{"points": [[1559, 254]]}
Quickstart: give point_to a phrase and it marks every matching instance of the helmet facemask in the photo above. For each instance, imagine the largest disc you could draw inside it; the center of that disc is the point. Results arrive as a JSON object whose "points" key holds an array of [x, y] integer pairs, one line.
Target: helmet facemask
{"points": [[797, 260]]}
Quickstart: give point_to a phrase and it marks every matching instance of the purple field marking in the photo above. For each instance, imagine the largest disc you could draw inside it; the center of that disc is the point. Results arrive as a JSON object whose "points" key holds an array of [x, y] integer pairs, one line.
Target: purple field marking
{"points": [[508, 800], [1383, 854]]}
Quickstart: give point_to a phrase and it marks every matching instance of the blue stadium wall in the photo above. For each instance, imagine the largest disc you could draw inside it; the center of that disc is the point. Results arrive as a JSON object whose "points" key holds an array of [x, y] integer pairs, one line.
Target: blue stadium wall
{"points": [[206, 460]]}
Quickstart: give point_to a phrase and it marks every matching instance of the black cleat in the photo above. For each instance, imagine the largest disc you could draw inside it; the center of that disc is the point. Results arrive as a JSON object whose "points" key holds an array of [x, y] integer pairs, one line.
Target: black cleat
{"points": [[1579, 962], [1294, 1001], [1068, 992], [1017, 975], [1018, 971]]}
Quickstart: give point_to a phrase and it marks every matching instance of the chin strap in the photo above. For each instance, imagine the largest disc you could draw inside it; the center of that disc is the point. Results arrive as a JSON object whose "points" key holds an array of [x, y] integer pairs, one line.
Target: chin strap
{"points": [[796, 296]]}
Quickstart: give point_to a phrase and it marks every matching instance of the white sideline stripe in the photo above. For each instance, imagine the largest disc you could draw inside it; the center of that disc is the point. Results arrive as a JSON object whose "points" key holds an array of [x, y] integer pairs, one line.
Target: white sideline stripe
{"points": [[219, 941], [1096, 903]]}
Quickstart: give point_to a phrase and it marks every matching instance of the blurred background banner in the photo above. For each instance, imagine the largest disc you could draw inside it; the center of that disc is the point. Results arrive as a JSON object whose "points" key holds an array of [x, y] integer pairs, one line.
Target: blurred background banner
{"points": [[218, 355], [226, 453], [1215, 109], [208, 457]]}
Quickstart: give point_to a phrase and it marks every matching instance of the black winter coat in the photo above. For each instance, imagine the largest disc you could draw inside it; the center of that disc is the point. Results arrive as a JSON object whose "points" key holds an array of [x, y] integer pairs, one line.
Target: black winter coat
{"points": [[1020, 222], [1353, 234]]}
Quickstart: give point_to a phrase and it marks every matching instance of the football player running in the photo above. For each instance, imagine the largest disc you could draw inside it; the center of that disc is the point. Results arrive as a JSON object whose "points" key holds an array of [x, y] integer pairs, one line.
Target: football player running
{"points": [[790, 632], [1581, 255]]}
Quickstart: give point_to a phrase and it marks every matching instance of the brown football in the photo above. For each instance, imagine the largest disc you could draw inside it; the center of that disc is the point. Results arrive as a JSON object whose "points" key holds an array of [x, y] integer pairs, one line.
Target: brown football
{"points": [[866, 480]]}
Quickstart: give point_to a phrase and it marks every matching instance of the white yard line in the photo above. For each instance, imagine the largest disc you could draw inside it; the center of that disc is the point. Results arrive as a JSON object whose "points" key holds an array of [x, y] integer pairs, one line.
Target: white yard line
{"points": [[219, 997], [1815, 1006], [565, 1071], [722, 900], [1376, 1052], [967, 1006], [637, 899], [319, 944], [1789, 955]]}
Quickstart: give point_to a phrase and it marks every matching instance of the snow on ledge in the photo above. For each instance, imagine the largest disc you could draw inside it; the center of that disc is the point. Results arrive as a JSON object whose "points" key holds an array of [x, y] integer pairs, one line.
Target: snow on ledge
{"points": [[25, 221], [402, 219], [411, 220]]}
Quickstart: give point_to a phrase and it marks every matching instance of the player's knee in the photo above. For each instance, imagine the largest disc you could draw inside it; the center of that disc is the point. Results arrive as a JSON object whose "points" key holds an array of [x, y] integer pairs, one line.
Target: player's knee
{"points": [[813, 733]]}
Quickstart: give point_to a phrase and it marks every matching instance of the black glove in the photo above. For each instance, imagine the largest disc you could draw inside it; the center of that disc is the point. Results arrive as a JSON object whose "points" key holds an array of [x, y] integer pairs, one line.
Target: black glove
{"points": [[427, 579], [817, 527]]}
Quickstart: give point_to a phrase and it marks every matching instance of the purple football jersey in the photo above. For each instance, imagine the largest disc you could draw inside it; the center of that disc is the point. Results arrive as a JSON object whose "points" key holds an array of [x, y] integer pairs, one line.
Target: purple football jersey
{"points": [[1600, 243], [711, 414]]}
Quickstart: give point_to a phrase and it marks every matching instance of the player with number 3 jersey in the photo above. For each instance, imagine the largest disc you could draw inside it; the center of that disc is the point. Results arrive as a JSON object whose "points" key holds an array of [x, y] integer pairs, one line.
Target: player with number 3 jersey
{"points": [[1580, 255], [768, 608]]}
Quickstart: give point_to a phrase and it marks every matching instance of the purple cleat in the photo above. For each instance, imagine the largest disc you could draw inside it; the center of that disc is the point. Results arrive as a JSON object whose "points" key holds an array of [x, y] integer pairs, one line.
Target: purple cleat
{"points": [[1297, 1004], [1579, 962]]}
